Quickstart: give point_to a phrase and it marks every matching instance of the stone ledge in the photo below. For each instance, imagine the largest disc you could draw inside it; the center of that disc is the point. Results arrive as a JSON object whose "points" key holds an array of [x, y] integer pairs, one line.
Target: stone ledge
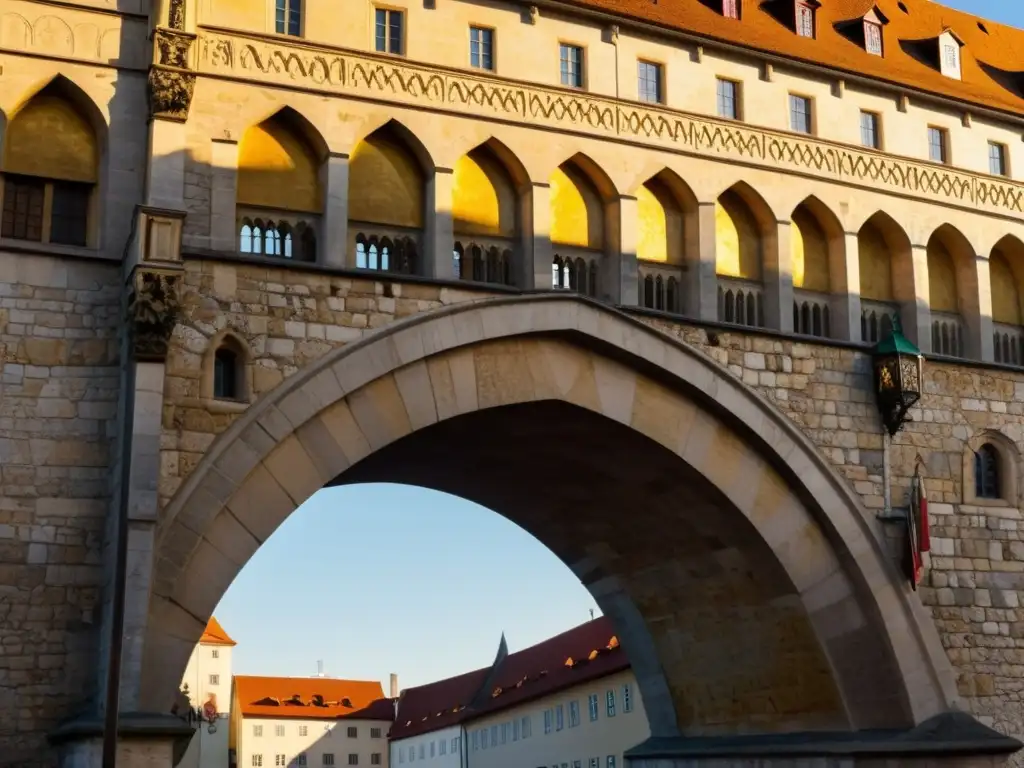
{"points": [[129, 725], [948, 734]]}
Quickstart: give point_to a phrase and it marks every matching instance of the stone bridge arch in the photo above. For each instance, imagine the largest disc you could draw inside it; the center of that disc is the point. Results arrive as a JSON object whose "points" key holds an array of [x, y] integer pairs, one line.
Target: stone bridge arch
{"points": [[740, 571]]}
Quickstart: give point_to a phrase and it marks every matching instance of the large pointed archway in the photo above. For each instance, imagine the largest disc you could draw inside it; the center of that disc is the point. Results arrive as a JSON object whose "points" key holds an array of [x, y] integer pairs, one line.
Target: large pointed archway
{"points": [[741, 573]]}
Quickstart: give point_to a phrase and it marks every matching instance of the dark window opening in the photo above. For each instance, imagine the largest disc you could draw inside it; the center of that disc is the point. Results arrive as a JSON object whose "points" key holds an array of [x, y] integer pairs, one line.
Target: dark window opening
{"points": [[225, 375], [23, 208], [70, 215], [986, 472]]}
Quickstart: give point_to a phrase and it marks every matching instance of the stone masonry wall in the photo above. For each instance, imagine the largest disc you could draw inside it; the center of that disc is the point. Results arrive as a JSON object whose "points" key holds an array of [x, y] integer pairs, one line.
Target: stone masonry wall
{"points": [[291, 318], [58, 403]]}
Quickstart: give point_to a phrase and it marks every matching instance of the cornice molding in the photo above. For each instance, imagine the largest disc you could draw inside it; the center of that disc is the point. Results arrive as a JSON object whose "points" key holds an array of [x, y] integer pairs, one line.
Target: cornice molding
{"points": [[355, 74]]}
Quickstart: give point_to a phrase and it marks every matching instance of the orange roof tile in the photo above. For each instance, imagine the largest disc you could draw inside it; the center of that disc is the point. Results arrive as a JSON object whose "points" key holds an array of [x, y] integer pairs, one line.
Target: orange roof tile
{"points": [[214, 634], [992, 66], [536, 671], [312, 698]]}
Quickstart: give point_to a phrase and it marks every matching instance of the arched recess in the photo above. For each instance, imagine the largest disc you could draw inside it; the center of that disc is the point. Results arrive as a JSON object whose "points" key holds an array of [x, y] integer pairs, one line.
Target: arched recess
{"points": [[818, 258], [279, 196], [991, 471], [387, 181], [227, 376], [489, 197], [584, 210], [757, 600], [1006, 278], [667, 222], [744, 236], [52, 160], [952, 293], [886, 276]]}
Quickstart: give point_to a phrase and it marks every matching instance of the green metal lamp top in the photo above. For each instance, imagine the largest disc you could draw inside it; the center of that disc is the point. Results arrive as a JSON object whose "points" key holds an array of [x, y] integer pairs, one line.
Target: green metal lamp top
{"points": [[895, 343]]}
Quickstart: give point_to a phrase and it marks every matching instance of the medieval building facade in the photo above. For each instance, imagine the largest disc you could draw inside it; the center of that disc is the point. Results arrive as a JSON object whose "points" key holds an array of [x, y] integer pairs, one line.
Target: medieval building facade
{"points": [[250, 249]]}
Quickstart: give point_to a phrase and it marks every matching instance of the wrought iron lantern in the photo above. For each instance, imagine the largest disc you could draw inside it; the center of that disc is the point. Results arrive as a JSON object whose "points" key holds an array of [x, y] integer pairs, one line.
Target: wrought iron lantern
{"points": [[899, 376]]}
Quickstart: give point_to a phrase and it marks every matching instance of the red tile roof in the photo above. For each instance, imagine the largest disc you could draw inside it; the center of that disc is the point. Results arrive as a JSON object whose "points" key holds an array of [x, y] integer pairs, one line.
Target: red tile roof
{"points": [[525, 675], [990, 51], [312, 698], [214, 634]]}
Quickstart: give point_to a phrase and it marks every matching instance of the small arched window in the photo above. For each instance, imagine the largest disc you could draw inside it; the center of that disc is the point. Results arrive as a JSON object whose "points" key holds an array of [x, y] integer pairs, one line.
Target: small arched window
{"points": [[226, 378], [986, 472]]}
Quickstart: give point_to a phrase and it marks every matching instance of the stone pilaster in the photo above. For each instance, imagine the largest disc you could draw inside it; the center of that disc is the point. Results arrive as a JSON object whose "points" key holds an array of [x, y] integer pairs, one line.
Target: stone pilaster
{"points": [[845, 302], [700, 280], [620, 271], [334, 227], [915, 314], [977, 313], [537, 264], [440, 239], [778, 278], [223, 218]]}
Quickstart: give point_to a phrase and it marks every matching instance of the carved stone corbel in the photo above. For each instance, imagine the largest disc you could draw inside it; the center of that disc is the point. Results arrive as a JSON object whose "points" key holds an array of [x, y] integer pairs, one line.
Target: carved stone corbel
{"points": [[171, 83], [154, 306], [534, 12]]}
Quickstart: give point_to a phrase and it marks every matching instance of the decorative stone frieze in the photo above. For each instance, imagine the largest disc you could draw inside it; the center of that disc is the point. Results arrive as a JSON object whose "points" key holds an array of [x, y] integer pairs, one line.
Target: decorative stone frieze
{"points": [[153, 309], [358, 75]]}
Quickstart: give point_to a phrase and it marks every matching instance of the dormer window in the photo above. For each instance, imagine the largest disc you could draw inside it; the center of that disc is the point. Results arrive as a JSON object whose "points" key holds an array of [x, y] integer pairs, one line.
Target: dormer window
{"points": [[873, 38], [804, 19], [949, 54], [731, 9]]}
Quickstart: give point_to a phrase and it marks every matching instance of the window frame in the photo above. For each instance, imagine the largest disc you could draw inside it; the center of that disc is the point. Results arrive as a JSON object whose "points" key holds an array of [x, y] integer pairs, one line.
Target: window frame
{"points": [[403, 35], [659, 85], [287, 11], [1004, 159], [737, 99], [869, 27], [582, 64], [493, 33], [803, 9], [876, 127], [731, 9], [809, 102], [48, 189], [1007, 459], [943, 134]]}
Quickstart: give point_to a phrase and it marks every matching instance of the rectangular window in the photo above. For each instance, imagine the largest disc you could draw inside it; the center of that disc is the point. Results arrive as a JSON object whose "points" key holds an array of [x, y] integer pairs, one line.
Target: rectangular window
{"points": [[950, 57], [504, 732], [997, 159], [300, 759], [574, 714], [353, 758], [483, 739], [577, 764], [609, 698], [873, 38], [215, 653], [375, 759], [937, 144], [627, 698], [455, 744], [442, 747], [303, 730], [869, 135], [804, 28], [69, 217], [375, 733], [800, 113], [288, 17], [649, 80], [547, 720], [23, 208], [433, 748], [527, 727], [328, 758], [481, 48], [595, 762], [559, 717], [494, 735], [571, 63], [214, 679], [257, 761], [257, 731], [388, 31], [515, 730], [279, 761], [279, 730], [731, 9], [476, 740], [353, 732], [423, 751], [728, 101], [592, 705], [611, 761]]}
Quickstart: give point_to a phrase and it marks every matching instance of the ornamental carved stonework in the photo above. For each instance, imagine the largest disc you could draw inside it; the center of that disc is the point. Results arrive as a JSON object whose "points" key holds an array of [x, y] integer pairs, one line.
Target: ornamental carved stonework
{"points": [[176, 14], [153, 309], [172, 47], [170, 93]]}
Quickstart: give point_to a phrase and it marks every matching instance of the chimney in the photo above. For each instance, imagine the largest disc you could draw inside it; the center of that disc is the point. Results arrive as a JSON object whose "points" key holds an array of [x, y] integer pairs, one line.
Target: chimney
{"points": [[394, 686]]}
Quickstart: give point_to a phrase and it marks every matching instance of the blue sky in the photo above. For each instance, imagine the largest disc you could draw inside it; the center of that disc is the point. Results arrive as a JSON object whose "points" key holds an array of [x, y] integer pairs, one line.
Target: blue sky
{"points": [[375, 579]]}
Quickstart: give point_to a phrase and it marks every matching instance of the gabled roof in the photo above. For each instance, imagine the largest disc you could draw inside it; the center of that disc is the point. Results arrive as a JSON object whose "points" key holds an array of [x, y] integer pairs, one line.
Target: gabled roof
{"points": [[985, 42], [312, 698], [587, 652], [214, 634]]}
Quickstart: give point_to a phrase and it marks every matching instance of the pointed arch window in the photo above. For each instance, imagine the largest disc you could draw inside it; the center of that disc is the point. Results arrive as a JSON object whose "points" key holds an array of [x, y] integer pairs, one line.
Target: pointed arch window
{"points": [[986, 472]]}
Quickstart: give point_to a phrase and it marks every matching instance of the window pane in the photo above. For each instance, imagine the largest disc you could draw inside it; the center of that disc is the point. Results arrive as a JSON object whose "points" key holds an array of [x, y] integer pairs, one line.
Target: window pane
{"points": [[571, 65], [68, 221], [23, 208], [804, 21], [800, 114], [381, 30], [649, 81], [873, 38], [727, 104], [997, 159], [937, 145], [869, 130], [395, 32]]}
